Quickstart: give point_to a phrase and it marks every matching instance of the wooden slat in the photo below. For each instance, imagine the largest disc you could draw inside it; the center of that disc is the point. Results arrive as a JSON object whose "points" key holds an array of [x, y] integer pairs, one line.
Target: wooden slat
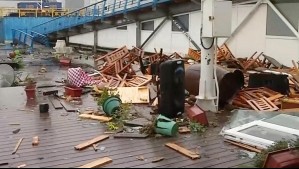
{"points": [[91, 142], [55, 102], [278, 96], [98, 163], [130, 135], [68, 107], [94, 117], [262, 104], [244, 146], [18, 145], [183, 151]]}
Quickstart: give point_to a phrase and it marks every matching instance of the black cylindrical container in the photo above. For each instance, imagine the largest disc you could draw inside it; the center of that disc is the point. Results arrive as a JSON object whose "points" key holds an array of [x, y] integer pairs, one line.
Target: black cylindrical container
{"points": [[44, 108]]}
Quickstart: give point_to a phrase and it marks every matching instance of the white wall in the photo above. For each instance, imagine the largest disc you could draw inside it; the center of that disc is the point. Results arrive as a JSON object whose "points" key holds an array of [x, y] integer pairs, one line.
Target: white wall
{"points": [[249, 39], [84, 39], [284, 50], [115, 38]]}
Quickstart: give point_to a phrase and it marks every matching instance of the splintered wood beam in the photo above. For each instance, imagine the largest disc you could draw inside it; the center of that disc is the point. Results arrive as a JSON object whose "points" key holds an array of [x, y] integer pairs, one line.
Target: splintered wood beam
{"points": [[183, 151], [91, 142], [17, 146], [97, 163]]}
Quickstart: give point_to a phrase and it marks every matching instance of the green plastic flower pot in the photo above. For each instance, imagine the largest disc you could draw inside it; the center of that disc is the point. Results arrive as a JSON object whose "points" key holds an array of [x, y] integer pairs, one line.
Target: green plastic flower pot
{"points": [[166, 126], [111, 105]]}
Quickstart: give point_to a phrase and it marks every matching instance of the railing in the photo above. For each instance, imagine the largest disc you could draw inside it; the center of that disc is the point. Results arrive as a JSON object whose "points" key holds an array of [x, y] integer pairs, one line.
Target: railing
{"points": [[51, 12], [37, 37], [96, 11], [23, 37]]}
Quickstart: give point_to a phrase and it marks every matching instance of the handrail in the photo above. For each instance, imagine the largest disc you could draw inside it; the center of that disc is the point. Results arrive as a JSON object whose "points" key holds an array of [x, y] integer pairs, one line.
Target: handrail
{"points": [[38, 34], [23, 32], [96, 11], [71, 13], [93, 12], [23, 38]]}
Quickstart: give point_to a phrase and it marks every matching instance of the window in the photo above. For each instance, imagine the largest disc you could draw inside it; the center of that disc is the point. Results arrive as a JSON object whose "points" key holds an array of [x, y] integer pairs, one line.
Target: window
{"points": [[122, 28], [275, 26], [148, 26], [183, 21]]}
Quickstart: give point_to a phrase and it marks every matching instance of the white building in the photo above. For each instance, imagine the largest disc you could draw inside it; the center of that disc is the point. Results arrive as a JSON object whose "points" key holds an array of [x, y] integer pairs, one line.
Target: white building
{"points": [[258, 26]]}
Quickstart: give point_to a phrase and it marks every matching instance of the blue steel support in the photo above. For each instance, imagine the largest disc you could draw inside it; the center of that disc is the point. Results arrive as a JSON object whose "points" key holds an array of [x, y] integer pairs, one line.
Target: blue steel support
{"points": [[25, 39], [113, 10], [139, 2], [94, 11], [126, 4], [20, 37], [103, 10]]}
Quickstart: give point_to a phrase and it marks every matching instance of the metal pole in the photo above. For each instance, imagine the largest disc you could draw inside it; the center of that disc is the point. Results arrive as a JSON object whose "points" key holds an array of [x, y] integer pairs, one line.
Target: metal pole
{"points": [[207, 98]]}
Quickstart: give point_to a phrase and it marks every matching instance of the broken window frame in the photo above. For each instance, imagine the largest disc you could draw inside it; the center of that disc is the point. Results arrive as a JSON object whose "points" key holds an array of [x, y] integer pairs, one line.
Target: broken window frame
{"points": [[235, 134]]}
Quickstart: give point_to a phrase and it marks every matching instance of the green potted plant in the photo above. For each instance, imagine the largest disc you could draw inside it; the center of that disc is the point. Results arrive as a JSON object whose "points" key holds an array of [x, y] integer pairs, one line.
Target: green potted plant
{"points": [[30, 87]]}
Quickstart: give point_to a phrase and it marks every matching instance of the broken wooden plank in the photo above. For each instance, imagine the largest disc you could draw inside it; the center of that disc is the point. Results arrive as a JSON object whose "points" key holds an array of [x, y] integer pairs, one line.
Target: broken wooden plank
{"points": [[22, 166], [183, 151], [35, 141], [17, 146], [68, 107], [94, 117], [130, 135], [91, 142], [253, 149], [56, 103], [278, 96], [97, 163]]}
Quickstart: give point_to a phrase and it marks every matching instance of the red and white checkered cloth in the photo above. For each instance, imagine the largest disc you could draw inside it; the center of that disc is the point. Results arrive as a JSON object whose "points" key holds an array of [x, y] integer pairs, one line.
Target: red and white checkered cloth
{"points": [[78, 78]]}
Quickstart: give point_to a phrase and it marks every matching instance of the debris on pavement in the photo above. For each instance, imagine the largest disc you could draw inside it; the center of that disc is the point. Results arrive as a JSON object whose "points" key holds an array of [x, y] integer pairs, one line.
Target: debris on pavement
{"points": [[183, 151], [91, 142], [98, 163], [18, 145], [157, 159], [35, 141]]}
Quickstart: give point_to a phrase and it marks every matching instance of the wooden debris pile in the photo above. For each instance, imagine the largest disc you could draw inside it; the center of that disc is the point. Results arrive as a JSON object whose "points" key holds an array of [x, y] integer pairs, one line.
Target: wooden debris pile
{"points": [[116, 68], [260, 99], [226, 58]]}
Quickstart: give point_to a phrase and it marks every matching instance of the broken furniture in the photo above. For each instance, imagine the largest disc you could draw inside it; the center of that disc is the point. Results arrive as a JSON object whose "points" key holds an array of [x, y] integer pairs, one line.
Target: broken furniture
{"points": [[260, 99]]}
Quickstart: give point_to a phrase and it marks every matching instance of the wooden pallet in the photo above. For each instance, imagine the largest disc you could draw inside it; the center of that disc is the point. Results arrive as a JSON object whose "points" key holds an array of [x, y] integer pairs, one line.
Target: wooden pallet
{"points": [[262, 104], [138, 81]]}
